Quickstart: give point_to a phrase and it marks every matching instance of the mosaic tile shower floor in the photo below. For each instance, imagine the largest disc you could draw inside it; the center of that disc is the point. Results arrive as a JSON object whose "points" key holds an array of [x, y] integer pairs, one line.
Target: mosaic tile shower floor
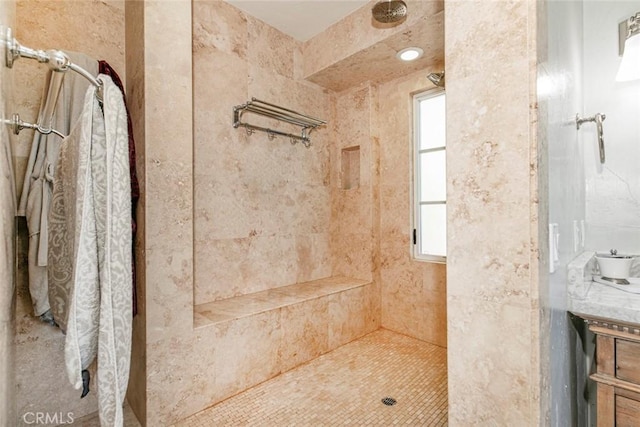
{"points": [[346, 387]]}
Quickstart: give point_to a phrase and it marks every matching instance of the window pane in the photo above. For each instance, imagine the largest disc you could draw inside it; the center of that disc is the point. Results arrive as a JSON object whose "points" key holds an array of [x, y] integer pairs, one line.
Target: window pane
{"points": [[432, 122], [433, 176], [433, 230]]}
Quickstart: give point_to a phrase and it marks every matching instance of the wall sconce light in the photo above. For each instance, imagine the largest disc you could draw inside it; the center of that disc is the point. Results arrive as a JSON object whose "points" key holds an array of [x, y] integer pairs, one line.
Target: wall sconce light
{"points": [[629, 49]]}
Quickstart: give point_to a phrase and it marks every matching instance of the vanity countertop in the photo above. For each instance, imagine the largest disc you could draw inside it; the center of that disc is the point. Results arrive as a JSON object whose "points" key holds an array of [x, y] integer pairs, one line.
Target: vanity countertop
{"points": [[589, 298]]}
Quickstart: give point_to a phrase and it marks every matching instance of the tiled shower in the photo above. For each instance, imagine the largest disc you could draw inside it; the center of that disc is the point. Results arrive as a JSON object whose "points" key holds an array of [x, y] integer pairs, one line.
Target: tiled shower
{"points": [[226, 214], [266, 213]]}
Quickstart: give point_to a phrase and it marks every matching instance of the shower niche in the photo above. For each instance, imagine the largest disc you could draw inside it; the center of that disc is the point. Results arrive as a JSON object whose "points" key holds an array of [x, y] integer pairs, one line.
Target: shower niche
{"points": [[350, 168]]}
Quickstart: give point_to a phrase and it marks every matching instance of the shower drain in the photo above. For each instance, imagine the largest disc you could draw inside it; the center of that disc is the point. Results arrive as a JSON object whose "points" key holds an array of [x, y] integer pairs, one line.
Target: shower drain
{"points": [[389, 401]]}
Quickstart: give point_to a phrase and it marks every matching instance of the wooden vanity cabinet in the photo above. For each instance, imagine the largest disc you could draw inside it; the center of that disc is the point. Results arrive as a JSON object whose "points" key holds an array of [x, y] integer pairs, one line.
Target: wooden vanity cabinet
{"points": [[617, 373]]}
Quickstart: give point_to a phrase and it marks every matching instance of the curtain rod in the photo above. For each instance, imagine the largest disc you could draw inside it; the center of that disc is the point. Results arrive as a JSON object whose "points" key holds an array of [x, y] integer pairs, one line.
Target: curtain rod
{"points": [[58, 62]]}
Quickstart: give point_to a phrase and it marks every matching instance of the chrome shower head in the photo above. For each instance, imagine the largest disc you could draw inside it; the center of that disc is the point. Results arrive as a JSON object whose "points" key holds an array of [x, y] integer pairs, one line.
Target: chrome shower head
{"points": [[388, 11], [437, 79]]}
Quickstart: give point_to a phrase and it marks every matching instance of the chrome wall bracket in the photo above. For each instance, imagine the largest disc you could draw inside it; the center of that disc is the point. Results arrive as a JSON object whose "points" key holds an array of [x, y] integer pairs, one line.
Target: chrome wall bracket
{"points": [[597, 119], [56, 60], [16, 125], [59, 63]]}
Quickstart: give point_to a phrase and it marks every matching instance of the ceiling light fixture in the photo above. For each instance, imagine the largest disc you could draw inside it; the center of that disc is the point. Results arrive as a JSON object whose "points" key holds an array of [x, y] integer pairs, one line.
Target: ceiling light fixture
{"points": [[629, 48], [410, 54]]}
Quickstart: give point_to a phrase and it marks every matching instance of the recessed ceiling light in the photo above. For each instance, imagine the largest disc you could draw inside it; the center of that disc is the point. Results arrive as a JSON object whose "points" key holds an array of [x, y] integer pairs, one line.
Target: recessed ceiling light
{"points": [[410, 53]]}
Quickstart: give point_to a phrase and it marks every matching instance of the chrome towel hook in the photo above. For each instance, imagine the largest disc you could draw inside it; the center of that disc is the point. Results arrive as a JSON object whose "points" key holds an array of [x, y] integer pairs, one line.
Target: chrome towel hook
{"points": [[598, 119]]}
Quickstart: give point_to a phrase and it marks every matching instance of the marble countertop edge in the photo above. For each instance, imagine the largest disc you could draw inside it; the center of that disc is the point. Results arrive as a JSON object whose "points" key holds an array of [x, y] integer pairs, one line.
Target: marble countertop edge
{"points": [[588, 298]]}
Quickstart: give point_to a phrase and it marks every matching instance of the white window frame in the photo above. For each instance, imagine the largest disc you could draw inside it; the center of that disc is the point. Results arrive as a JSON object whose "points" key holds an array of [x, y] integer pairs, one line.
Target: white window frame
{"points": [[416, 181]]}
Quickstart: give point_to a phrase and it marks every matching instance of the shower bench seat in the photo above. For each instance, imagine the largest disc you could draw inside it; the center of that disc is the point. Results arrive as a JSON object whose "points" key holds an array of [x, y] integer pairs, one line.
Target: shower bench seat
{"points": [[245, 340], [230, 309]]}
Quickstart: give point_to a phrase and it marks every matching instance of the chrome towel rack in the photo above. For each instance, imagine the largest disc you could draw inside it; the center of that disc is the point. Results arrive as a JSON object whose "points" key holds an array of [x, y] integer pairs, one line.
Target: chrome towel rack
{"points": [[267, 109]]}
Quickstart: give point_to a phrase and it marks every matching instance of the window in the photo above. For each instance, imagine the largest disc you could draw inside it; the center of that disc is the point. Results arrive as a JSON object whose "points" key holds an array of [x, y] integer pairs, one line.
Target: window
{"points": [[429, 180]]}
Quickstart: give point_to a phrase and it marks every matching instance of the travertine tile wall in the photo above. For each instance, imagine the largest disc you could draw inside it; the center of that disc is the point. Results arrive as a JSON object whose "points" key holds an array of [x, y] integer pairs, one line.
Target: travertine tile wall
{"points": [[413, 292], [494, 324], [371, 223], [7, 233], [165, 110], [377, 120], [97, 29], [214, 371], [352, 244], [220, 55], [262, 206], [355, 208]]}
